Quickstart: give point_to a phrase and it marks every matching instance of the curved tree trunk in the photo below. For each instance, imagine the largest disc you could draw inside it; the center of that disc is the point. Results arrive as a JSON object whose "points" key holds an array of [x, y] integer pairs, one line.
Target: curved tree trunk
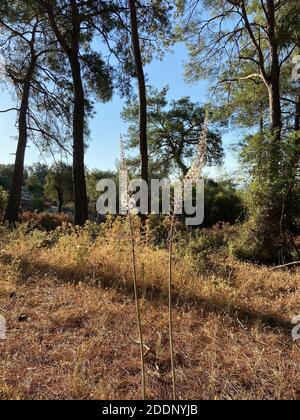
{"points": [[13, 205], [142, 91]]}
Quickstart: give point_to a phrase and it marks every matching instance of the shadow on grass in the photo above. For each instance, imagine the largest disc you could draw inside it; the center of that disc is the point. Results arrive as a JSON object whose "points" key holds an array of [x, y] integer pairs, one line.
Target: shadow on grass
{"points": [[95, 277]]}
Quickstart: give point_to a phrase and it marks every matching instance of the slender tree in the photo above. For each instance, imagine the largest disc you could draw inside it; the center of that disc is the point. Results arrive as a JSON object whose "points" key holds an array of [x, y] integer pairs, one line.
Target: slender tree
{"points": [[23, 47], [142, 91], [59, 185], [73, 25], [142, 31], [13, 205], [72, 50]]}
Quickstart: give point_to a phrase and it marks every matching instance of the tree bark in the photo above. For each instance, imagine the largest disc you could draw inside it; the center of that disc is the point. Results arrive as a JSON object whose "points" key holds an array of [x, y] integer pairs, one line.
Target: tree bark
{"points": [[296, 157], [261, 119], [143, 141], [13, 205], [72, 51], [270, 221], [297, 115], [274, 86], [80, 194]]}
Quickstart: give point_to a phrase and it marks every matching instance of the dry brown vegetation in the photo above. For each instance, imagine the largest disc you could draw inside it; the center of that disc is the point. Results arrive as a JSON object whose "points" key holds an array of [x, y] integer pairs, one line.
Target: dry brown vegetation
{"points": [[68, 300]]}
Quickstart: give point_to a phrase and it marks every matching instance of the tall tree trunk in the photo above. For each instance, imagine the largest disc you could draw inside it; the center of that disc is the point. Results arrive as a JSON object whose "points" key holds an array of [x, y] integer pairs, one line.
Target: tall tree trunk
{"points": [[269, 222], [275, 105], [261, 119], [13, 205], [80, 194], [142, 91], [274, 221], [297, 115], [72, 52], [296, 157], [274, 87]]}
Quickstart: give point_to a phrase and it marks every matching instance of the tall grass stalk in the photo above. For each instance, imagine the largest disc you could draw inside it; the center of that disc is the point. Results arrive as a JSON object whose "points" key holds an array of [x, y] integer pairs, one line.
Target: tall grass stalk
{"points": [[193, 175], [173, 365], [134, 273], [138, 311]]}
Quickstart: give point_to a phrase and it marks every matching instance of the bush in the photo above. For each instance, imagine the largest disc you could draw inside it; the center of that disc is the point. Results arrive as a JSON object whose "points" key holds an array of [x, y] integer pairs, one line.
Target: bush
{"points": [[207, 242], [257, 243], [222, 203], [45, 221], [37, 203], [270, 201], [3, 201]]}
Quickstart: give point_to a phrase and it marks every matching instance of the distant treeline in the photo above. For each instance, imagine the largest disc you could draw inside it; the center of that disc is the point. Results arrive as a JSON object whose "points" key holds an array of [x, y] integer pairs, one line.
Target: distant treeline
{"points": [[51, 188]]}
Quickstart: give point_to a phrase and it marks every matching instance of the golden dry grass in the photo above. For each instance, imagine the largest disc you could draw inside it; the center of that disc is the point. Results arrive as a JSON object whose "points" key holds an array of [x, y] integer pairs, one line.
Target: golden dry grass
{"points": [[79, 338]]}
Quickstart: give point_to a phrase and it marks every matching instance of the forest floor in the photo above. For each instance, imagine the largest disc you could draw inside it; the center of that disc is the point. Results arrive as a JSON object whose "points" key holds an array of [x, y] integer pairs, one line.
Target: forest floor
{"points": [[72, 334]]}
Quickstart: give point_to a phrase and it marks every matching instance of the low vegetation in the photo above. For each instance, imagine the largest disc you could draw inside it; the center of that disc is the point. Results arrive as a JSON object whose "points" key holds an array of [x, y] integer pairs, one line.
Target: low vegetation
{"points": [[67, 296]]}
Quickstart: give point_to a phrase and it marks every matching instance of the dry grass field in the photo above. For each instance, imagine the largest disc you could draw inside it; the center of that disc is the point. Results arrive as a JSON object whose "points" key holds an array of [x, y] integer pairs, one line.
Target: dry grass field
{"points": [[67, 297]]}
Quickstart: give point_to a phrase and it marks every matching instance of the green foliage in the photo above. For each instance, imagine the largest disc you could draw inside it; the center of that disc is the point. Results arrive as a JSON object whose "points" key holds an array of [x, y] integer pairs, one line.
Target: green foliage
{"points": [[59, 184], [3, 200], [36, 179], [271, 200], [245, 50], [203, 245], [34, 186], [206, 242], [173, 133], [92, 179], [37, 203], [222, 51], [6, 174], [223, 203], [98, 75]]}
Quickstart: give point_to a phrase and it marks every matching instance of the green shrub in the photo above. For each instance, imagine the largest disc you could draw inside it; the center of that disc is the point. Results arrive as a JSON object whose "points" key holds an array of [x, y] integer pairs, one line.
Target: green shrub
{"points": [[206, 242], [256, 242], [270, 201], [3, 201], [223, 203], [37, 203]]}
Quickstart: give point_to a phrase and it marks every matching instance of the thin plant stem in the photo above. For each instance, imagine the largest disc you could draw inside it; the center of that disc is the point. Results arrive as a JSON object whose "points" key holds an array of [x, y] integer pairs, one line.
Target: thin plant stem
{"points": [[173, 365], [134, 272], [138, 312], [192, 175]]}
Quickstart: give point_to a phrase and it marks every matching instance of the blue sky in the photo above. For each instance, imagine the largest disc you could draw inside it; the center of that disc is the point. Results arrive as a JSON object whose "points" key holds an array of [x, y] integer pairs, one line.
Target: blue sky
{"points": [[107, 125]]}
